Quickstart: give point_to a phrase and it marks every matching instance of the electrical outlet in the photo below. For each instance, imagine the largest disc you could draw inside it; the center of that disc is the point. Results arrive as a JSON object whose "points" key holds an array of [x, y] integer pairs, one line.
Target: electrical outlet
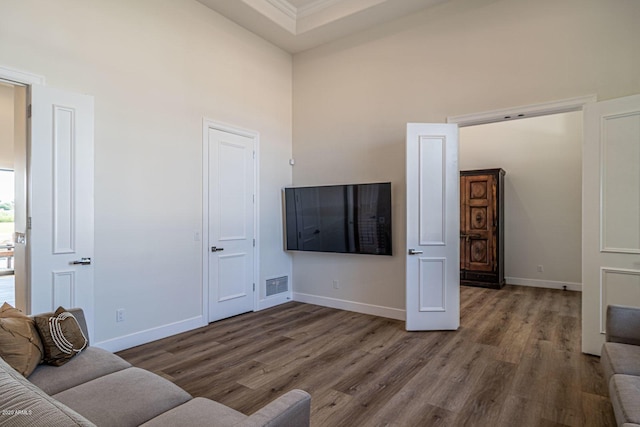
{"points": [[336, 284], [120, 315], [540, 269]]}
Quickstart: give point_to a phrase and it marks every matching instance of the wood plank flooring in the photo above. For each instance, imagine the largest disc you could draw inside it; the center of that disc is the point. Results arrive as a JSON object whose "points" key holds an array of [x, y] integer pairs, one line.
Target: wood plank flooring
{"points": [[515, 361]]}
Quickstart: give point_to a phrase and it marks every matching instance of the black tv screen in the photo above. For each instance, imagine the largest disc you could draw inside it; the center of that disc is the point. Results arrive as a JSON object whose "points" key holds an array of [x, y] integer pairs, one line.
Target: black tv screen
{"points": [[354, 218]]}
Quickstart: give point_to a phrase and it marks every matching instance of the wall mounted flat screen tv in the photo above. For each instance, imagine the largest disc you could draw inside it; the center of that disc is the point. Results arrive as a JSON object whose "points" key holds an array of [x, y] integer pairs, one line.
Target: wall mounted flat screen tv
{"points": [[354, 218]]}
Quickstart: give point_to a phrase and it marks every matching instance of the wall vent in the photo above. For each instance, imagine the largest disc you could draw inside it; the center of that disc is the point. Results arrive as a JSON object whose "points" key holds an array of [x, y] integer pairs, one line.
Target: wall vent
{"points": [[277, 285]]}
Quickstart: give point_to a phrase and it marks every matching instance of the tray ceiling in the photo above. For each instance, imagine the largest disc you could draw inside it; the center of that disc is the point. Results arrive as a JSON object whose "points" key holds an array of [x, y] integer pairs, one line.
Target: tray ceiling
{"points": [[297, 25]]}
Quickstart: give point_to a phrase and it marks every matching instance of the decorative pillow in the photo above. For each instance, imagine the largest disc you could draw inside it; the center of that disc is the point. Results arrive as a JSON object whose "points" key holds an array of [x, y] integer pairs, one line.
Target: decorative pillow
{"points": [[61, 335], [20, 344]]}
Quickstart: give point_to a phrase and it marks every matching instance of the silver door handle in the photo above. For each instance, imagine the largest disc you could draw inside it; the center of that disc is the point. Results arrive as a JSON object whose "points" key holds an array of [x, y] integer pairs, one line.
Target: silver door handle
{"points": [[414, 252], [82, 261], [214, 249]]}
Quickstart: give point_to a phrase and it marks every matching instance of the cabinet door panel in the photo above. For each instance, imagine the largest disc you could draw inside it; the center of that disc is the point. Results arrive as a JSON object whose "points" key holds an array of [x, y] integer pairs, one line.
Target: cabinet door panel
{"points": [[479, 223]]}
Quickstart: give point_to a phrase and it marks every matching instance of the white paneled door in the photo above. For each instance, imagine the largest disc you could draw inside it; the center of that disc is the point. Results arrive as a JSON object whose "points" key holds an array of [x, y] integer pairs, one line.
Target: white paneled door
{"points": [[60, 201], [231, 223], [610, 213], [433, 227]]}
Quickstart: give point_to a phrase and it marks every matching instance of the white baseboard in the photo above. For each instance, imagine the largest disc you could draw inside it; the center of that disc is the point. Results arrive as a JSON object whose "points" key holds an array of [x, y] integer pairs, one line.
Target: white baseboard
{"points": [[273, 301], [153, 334], [358, 307], [549, 284]]}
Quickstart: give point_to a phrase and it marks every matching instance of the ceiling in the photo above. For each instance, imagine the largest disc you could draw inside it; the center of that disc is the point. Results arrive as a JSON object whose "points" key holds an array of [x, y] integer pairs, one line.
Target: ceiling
{"points": [[297, 25]]}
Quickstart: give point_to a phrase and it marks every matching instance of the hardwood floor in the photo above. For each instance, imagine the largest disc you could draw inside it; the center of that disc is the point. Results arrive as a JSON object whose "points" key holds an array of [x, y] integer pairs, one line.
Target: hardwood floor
{"points": [[515, 361]]}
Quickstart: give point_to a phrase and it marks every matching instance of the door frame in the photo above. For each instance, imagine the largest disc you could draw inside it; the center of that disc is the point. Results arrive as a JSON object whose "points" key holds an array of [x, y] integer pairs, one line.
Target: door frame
{"points": [[523, 111], [532, 110], [255, 136], [24, 78]]}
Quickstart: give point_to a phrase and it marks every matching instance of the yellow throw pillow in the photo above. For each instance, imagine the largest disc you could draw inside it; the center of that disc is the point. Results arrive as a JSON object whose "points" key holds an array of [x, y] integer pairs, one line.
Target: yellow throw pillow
{"points": [[61, 335], [20, 344]]}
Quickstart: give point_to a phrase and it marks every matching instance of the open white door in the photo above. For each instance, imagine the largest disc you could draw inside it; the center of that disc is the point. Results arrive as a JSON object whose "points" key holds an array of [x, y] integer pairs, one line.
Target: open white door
{"points": [[60, 201], [433, 227], [610, 213]]}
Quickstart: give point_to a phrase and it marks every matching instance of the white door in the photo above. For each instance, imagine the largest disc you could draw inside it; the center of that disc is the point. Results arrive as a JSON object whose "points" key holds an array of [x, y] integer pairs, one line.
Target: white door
{"points": [[610, 213], [231, 223], [60, 201], [433, 227]]}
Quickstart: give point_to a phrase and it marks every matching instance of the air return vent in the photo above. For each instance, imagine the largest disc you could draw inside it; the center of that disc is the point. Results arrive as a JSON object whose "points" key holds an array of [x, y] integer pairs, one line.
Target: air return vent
{"points": [[277, 285]]}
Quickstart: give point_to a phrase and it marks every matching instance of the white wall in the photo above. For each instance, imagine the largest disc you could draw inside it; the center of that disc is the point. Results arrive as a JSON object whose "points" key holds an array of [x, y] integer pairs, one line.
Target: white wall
{"points": [[156, 68], [353, 98], [543, 193], [6, 127]]}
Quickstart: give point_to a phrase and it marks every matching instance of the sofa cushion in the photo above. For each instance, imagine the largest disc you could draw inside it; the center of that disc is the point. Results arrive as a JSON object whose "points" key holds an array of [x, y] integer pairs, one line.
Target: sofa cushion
{"points": [[625, 398], [619, 358], [92, 363], [20, 344], [24, 404], [198, 412], [61, 335], [128, 397]]}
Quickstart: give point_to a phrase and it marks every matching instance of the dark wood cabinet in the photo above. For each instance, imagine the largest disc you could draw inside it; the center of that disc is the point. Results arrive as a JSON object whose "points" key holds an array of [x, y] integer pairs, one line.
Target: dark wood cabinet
{"points": [[482, 228]]}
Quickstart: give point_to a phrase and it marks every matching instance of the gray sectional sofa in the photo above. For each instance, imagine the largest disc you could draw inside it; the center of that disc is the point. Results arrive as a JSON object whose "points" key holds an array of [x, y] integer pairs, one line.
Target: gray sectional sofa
{"points": [[99, 388], [620, 362]]}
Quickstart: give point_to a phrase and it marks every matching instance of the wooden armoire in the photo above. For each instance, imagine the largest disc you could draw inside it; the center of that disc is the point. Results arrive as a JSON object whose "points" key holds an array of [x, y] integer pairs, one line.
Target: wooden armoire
{"points": [[482, 228]]}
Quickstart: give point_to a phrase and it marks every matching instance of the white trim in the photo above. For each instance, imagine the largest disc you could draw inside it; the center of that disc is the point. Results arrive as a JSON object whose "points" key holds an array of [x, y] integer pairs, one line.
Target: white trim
{"points": [[274, 300], [255, 136], [358, 307], [548, 284], [523, 112], [296, 13], [22, 77], [285, 7], [153, 334], [315, 7], [204, 234]]}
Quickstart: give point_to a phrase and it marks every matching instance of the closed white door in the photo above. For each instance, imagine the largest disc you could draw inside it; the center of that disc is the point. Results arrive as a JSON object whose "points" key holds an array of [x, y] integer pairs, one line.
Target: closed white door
{"points": [[610, 213], [231, 223], [60, 201], [433, 227]]}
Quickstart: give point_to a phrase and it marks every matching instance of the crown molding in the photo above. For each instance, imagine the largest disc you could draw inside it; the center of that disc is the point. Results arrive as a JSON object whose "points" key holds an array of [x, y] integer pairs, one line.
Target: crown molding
{"points": [[296, 29], [315, 7], [285, 7], [302, 12]]}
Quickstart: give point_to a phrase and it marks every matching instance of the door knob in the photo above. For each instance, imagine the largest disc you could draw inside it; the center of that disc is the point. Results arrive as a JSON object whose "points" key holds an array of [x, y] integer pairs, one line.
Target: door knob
{"points": [[215, 249], [82, 261], [414, 252]]}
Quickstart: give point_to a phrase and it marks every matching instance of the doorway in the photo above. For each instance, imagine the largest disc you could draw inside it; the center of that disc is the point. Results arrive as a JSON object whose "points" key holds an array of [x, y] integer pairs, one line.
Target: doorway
{"points": [[53, 164], [13, 119], [542, 157]]}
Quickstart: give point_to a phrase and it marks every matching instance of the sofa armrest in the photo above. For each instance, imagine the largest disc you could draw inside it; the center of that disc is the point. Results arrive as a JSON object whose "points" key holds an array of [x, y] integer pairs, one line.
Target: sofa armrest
{"points": [[292, 409], [623, 324]]}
